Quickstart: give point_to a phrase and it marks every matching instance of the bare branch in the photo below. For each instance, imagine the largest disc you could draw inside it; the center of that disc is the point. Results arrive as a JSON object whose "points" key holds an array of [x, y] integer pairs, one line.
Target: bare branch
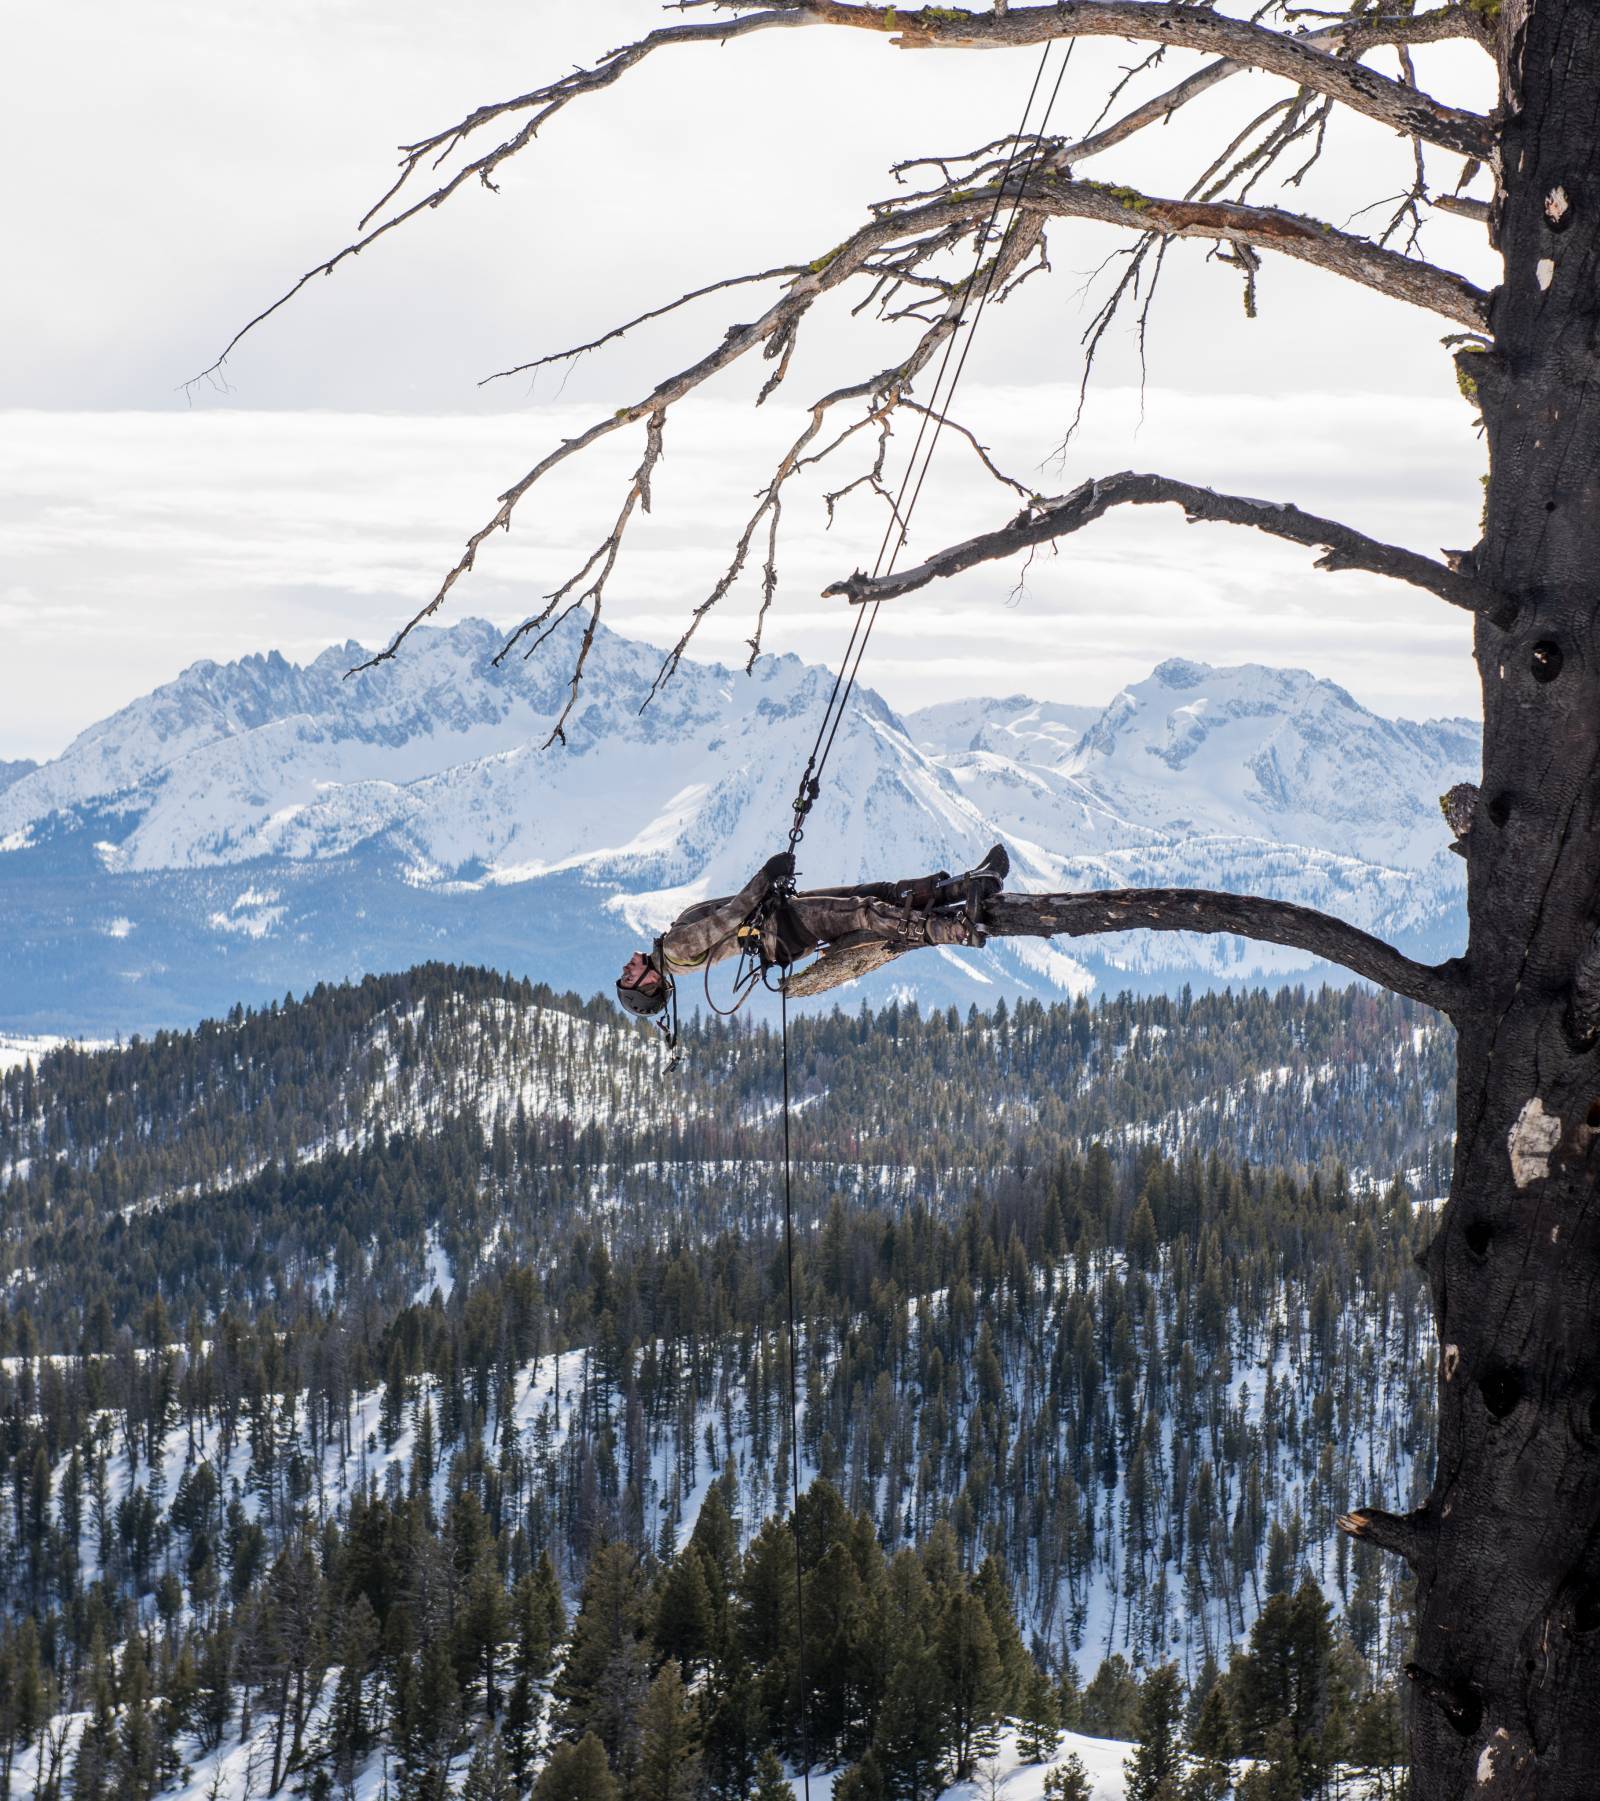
{"points": [[1269, 228], [605, 555], [1343, 547], [655, 312], [1464, 206], [543, 103], [1245, 916], [935, 226], [981, 451], [1241, 41], [1348, 36], [1412, 1536]]}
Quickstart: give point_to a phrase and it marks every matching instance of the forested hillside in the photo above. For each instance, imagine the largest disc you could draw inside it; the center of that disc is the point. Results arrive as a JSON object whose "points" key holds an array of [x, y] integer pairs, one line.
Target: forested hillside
{"points": [[467, 1319]]}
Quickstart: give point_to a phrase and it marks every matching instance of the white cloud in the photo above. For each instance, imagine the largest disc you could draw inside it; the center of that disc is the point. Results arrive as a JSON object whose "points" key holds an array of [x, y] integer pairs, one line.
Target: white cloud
{"points": [[217, 534], [321, 489]]}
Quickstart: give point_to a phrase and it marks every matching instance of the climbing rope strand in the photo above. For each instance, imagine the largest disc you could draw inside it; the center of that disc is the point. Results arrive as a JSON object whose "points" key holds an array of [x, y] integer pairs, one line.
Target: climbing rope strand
{"points": [[850, 663], [942, 412], [937, 413], [794, 1413], [894, 538]]}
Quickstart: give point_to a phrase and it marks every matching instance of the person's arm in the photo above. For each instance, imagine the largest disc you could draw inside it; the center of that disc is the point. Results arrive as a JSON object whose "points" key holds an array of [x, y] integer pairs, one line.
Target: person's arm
{"points": [[708, 932]]}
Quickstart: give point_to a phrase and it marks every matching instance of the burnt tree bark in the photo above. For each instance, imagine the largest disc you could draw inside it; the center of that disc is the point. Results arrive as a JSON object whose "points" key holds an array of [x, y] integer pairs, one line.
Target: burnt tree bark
{"points": [[1506, 1547], [1508, 1570]]}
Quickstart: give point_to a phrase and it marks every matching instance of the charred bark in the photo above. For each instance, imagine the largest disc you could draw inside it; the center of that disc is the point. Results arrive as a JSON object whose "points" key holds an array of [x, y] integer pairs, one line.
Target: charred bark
{"points": [[1507, 1673]]}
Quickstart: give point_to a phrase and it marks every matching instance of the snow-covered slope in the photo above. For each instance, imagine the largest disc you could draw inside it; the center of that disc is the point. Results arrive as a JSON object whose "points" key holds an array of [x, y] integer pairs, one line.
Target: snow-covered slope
{"points": [[14, 771], [258, 825]]}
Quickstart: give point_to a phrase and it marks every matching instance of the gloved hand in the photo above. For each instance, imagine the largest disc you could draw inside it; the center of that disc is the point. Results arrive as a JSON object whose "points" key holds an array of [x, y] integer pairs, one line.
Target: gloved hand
{"points": [[779, 869]]}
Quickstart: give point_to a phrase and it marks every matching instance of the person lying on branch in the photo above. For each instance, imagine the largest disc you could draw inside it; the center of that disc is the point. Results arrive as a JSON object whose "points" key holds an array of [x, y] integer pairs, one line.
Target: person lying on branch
{"points": [[857, 929]]}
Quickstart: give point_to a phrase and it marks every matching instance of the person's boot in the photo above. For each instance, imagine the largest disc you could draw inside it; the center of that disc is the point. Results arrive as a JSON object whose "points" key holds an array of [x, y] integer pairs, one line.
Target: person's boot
{"points": [[977, 885]]}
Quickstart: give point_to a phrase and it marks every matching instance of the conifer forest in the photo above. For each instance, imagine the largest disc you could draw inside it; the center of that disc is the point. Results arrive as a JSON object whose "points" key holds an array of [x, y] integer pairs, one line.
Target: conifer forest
{"points": [[394, 1400]]}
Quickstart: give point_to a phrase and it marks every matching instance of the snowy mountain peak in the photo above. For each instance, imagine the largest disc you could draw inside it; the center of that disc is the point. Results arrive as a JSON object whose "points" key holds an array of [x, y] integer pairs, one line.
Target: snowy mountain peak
{"points": [[1276, 753], [257, 825]]}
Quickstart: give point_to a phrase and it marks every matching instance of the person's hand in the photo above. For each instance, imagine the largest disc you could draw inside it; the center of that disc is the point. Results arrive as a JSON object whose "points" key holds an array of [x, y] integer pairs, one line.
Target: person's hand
{"points": [[779, 868]]}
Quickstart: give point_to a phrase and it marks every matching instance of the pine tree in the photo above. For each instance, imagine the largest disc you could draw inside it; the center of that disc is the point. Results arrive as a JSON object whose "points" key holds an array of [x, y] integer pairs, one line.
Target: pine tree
{"points": [[1290, 1676], [1378, 1740], [716, 1539], [1069, 1698], [909, 1742], [603, 1679], [973, 1678], [1069, 1781], [92, 1765], [1154, 1769], [993, 1588], [1210, 1748], [1110, 1706], [135, 1750], [1038, 1718], [577, 1772], [538, 1619], [488, 1776], [520, 1727], [1276, 1777], [669, 1759], [771, 1783], [433, 1719], [684, 1625], [862, 1782], [348, 1734]]}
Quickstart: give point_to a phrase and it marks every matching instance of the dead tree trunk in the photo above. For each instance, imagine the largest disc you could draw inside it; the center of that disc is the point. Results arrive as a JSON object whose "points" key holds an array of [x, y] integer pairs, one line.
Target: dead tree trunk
{"points": [[1507, 1547]]}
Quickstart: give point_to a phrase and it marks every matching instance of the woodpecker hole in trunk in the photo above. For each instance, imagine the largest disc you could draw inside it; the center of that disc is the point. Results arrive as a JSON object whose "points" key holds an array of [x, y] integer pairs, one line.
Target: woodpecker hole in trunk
{"points": [[1501, 1389], [1478, 1236], [1546, 660], [1500, 809]]}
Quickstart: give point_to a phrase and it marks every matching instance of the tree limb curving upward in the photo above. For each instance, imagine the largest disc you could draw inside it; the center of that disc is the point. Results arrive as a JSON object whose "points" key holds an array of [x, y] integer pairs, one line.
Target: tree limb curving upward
{"points": [[1044, 520], [1244, 915]]}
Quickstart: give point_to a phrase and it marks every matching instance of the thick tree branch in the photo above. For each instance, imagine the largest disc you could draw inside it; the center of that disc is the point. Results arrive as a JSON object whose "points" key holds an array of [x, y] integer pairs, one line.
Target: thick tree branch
{"points": [[1351, 38], [1412, 1536], [1244, 915], [1269, 228], [1240, 41], [1343, 547], [1464, 206], [1298, 235]]}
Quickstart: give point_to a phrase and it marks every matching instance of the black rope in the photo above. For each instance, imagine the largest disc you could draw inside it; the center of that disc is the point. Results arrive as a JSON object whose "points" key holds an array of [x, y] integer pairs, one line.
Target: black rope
{"points": [[811, 778], [794, 1414], [900, 513]]}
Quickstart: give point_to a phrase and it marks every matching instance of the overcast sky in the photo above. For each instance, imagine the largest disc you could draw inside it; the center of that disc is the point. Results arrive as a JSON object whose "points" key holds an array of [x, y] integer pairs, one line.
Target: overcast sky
{"points": [[188, 159]]}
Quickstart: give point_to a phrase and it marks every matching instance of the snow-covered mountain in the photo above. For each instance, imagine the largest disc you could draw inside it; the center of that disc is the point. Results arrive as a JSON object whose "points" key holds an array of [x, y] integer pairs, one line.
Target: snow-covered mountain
{"points": [[258, 826]]}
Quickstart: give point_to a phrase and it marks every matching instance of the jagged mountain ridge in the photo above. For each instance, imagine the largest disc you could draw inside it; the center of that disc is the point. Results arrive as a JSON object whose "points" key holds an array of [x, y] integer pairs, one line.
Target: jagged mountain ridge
{"points": [[259, 825], [14, 770]]}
